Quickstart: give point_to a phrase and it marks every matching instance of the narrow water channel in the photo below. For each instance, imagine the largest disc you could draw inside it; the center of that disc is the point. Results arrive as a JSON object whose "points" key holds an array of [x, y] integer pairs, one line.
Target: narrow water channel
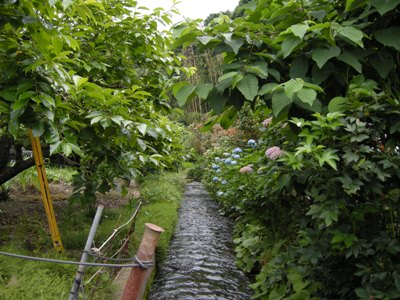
{"points": [[200, 262]]}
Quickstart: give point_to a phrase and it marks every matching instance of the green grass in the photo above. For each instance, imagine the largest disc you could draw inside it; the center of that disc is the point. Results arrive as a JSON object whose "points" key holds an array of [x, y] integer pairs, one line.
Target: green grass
{"points": [[60, 175], [25, 179], [161, 195], [21, 279], [29, 177]]}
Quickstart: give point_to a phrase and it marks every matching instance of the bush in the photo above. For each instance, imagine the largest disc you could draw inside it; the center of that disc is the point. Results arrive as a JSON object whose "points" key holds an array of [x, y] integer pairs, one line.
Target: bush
{"points": [[196, 172], [328, 197]]}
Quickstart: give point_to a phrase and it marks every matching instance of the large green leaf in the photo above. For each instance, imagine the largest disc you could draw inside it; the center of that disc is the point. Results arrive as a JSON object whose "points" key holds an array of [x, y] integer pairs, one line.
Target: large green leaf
{"points": [[337, 104], [259, 68], [383, 63], [217, 101], [236, 99], [248, 86], [307, 96], [235, 44], [319, 75], [289, 44], [383, 6], [205, 39], [203, 89], [229, 117], [315, 107], [351, 59], [183, 93], [299, 67], [353, 4], [293, 86], [299, 30], [322, 55], [389, 37], [227, 75], [185, 39], [353, 34], [179, 29], [280, 102], [267, 88]]}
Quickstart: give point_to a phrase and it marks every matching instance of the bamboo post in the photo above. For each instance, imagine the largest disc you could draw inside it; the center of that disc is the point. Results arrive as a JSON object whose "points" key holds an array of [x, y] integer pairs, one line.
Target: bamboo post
{"points": [[137, 281], [45, 191], [78, 277]]}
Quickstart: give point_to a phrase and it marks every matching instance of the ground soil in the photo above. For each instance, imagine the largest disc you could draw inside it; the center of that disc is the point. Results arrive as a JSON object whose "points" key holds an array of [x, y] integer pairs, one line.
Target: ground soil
{"points": [[28, 202]]}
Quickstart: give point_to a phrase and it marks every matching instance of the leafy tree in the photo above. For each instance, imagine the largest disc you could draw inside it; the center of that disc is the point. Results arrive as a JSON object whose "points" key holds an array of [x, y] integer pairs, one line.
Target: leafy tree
{"points": [[214, 16], [91, 79]]}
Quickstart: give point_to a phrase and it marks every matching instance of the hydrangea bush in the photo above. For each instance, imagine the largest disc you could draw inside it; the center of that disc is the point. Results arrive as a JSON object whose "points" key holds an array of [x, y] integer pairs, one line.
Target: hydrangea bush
{"points": [[319, 215], [318, 209]]}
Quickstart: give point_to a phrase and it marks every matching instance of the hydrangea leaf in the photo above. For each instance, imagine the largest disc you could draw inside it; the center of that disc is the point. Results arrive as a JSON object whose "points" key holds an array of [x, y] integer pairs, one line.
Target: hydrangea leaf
{"points": [[248, 86]]}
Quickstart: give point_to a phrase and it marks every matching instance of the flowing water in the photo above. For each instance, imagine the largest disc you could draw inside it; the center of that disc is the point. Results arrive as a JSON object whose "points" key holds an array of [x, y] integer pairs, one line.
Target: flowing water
{"points": [[200, 263]]}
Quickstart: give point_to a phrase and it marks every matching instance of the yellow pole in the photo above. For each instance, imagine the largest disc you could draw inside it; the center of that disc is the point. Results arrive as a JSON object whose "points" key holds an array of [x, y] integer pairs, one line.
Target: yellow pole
{"points": [[44, 189]]}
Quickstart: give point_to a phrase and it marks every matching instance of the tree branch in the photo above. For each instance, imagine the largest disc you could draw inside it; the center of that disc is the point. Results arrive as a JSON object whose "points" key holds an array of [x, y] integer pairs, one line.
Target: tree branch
{"points": [[10, 172]]}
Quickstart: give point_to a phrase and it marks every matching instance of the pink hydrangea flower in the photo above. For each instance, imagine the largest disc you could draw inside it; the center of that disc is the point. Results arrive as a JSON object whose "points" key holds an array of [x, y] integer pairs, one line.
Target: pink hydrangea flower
{"points": [[274, 153], [246, 169], [266, 122]]}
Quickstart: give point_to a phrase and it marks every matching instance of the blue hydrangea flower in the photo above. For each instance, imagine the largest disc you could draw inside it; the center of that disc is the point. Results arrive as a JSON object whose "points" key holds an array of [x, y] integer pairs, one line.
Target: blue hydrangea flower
{"points": [[237, 150], [224, 182], [252, 143], [236, 156], [215, 167], [228, 161], [215, 179], [233, 162]]}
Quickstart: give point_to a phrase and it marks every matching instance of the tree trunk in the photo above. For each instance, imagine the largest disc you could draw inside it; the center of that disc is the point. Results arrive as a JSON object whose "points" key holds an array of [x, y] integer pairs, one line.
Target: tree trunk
{"points": [[8, 173]]}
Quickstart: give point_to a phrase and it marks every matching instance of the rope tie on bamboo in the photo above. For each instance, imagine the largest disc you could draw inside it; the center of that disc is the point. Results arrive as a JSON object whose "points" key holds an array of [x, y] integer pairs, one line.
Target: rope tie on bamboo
{"points": [[144, 264]]}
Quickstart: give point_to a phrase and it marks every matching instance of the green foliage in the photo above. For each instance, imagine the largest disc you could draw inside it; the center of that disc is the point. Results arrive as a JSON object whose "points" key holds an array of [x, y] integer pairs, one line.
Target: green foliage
{"points": [[325, 170], [330, 201], [322, 45], [91, 78], [196, 173], [60, 175], [26, 179]]}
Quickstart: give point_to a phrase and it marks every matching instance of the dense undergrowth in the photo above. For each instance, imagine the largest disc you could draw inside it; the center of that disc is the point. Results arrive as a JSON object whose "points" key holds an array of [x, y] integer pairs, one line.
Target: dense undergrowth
{"points": [[20, 279]]}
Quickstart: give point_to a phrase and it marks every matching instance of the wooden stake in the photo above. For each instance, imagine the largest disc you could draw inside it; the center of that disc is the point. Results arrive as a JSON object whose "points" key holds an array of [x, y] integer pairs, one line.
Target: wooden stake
{"points": [[45, 191]]}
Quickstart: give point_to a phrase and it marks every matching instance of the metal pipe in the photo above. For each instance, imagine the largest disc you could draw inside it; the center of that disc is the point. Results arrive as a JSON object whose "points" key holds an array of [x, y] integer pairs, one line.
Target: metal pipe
{"points": [[73, 295], [137, 281]]}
